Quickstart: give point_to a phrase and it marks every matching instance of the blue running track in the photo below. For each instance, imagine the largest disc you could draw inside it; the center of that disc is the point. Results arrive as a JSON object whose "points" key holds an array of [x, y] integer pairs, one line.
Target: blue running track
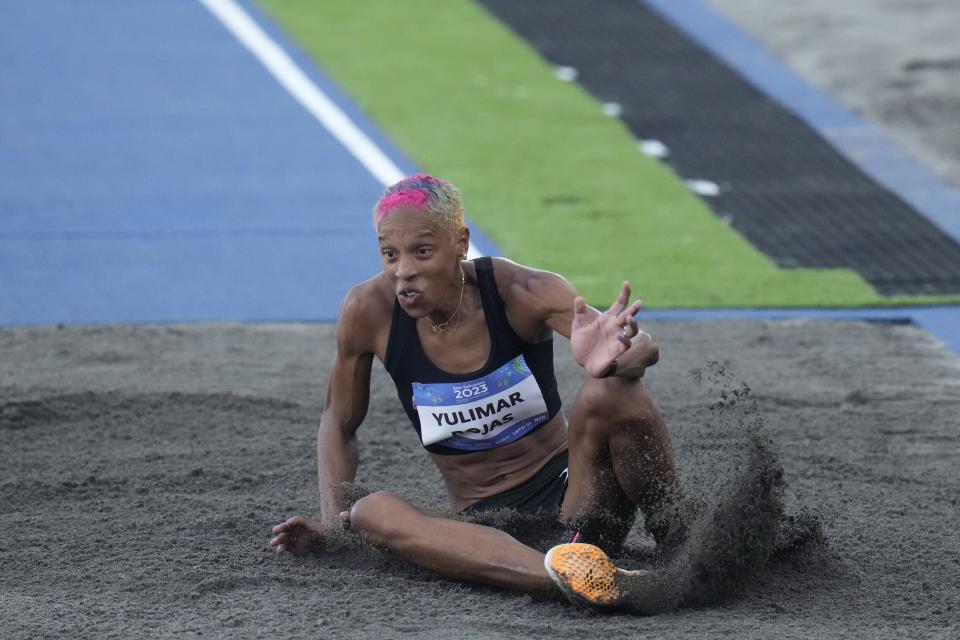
{"points": [[151, 170]]}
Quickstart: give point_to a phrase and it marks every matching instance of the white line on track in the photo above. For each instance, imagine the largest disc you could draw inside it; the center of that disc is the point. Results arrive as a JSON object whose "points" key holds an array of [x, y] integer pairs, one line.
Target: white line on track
{"points": [[308, 94]]}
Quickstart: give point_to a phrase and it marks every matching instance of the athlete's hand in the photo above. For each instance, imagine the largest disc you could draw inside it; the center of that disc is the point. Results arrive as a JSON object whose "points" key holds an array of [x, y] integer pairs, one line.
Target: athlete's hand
{"points": [[298, 536], [598, 339]]}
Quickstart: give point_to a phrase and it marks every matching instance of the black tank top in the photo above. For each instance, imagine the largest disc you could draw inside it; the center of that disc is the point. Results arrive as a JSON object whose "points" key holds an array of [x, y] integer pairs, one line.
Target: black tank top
{"points": [[514, 393]]}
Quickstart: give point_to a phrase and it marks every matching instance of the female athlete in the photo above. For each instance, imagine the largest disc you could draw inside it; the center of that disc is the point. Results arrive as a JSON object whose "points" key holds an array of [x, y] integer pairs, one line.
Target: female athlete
{"points": [[468, 344]]}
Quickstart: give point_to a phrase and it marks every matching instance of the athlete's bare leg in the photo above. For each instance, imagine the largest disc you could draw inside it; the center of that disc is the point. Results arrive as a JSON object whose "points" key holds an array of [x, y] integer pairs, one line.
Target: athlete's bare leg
{"points": [[620, 460], [451, 548]]}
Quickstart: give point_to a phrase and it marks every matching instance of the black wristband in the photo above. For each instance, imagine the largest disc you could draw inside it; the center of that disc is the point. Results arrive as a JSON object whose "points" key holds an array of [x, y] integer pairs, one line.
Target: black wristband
{"points": [[612, 369]]}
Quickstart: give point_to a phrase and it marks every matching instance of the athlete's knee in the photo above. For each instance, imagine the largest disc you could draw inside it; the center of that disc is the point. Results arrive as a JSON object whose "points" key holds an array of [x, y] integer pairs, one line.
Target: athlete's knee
{"points": [[377, 515], [611, 398], [593, 398], [610, 405]]}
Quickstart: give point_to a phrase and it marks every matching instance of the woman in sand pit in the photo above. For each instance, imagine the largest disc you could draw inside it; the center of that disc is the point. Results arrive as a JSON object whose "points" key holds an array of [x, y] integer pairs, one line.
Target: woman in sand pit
{"points": [[469, 346]]}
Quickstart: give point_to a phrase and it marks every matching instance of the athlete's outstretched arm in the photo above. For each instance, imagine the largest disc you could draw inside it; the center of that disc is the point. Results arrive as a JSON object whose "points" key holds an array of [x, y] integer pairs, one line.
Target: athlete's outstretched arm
{"points": [[597, 338], [348, 397]]}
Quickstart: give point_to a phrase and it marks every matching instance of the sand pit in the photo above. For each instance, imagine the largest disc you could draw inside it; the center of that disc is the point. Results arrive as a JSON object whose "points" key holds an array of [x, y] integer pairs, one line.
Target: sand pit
{"points": [[142, 468]]}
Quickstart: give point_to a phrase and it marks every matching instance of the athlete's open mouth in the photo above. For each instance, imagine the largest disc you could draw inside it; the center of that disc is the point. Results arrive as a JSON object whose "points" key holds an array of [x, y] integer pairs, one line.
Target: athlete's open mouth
{"points": [[409, 296]]}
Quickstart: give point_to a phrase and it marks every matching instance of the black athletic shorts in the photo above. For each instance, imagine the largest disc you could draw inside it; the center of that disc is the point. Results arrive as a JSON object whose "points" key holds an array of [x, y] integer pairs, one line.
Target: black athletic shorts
{"points": [[542, 493]]}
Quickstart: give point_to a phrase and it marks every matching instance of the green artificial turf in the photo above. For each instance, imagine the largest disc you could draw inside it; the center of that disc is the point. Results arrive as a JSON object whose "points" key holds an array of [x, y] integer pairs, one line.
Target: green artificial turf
{"points": [[550, 179]]}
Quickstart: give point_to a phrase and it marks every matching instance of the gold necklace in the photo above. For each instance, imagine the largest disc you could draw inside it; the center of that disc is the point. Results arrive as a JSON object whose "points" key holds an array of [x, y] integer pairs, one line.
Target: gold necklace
{"points": [[442, 327]]}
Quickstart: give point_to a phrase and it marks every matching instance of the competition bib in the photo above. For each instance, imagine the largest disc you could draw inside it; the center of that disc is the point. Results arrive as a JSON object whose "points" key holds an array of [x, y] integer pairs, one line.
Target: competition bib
{"points": [[485, 413]]}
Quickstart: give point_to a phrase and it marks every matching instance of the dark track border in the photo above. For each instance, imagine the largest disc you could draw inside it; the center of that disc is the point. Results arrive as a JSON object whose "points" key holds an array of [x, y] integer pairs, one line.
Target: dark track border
{"points": [[785, 188]]}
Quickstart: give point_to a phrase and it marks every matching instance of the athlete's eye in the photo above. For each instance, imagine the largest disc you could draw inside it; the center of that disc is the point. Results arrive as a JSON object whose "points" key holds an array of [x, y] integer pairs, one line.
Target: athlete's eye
{"points": [[424, 251], [388, 253]]}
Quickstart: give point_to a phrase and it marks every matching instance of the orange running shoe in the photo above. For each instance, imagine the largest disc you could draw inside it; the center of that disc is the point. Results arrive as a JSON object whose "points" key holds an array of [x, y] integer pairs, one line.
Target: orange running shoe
{"points": [[586, 576]]}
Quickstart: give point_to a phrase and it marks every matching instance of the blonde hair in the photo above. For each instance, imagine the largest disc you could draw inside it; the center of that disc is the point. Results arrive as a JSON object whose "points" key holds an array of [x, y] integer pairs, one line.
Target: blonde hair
{"points": [[426, 193]]}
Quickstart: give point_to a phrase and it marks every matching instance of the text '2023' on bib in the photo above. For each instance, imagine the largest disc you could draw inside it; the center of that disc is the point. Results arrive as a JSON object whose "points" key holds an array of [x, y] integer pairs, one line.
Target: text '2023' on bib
{"points": [[485, 413]]}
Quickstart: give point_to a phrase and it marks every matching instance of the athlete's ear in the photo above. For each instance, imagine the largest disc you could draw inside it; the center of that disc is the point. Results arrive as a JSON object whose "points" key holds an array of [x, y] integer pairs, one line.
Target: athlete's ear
{"points": [[462, 241]]}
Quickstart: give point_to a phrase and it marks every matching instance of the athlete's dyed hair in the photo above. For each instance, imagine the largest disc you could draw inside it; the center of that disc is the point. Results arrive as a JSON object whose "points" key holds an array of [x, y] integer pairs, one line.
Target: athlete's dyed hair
{"points": [[435, 197]]}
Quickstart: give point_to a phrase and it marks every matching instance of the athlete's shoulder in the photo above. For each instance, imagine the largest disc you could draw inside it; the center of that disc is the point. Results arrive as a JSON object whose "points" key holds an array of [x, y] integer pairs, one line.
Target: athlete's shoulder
{"points": [[529, 288], [365, 313]]}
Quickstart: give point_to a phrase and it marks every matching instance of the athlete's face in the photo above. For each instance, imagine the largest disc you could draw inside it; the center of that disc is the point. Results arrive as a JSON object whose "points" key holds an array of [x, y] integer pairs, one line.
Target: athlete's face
{"points": [[420, 259]]}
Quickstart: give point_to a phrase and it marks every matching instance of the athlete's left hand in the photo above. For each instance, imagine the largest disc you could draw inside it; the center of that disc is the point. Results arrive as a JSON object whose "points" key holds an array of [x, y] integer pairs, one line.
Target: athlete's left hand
{"points": [[597, 339]]}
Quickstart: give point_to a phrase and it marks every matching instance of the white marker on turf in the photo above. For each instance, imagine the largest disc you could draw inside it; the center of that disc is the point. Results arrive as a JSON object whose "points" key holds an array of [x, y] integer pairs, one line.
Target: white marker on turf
{"points": [[567, 74], [706, 188], [653, 148], [307, 93], [612, 109]]}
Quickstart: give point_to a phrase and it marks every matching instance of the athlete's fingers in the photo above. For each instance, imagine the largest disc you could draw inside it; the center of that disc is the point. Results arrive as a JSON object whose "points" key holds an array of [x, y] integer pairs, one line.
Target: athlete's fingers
{"points": [[345, 517], [579, 311], [289, 523], [280, 550], [622, 299], [278, 540], [634, 308]]}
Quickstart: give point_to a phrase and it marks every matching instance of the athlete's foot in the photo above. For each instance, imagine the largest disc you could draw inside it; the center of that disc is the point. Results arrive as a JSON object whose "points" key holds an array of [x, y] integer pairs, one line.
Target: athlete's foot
{"points": [[587, 577]]}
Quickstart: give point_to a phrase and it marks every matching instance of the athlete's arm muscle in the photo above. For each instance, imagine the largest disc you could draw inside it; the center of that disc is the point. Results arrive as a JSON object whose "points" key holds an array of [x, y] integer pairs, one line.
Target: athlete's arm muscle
{"points": [[348, 397], [551, 298]]}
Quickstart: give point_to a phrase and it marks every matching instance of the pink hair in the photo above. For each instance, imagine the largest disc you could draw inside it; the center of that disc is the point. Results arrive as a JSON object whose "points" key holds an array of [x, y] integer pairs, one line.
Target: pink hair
{"points": [[407, 198], [424, 193]]}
